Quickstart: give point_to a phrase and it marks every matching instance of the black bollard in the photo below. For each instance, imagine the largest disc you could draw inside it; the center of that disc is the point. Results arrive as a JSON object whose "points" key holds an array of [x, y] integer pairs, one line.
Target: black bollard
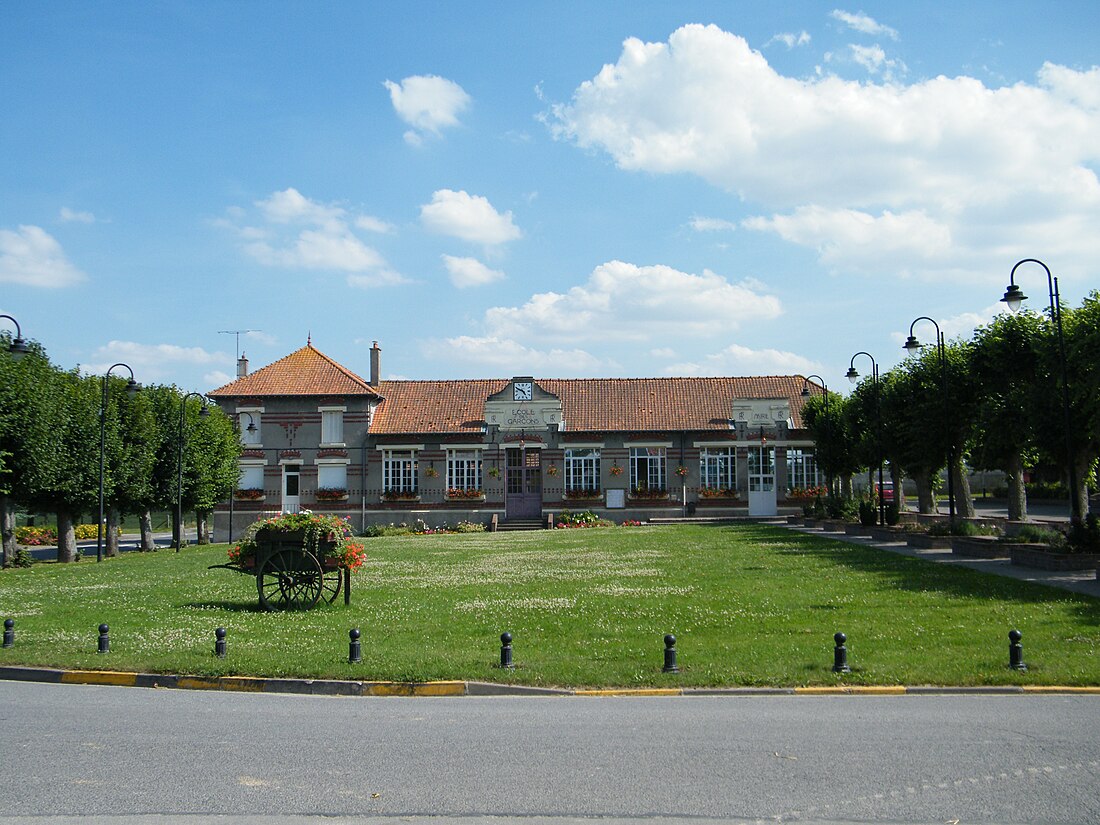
{"points": [[9, 632], [840, 654], [1016, 651], [219, 642], [670, 655], [104, 639], [355, 649], [506, 651]]}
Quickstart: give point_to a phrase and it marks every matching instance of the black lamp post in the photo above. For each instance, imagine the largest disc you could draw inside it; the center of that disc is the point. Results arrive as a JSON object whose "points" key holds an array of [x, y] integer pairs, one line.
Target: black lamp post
{"points": [[1014, 297], [232, 495], [132, 389], [911, 346], [179, 464], [18, 347], [825, 397], [852, 376]]}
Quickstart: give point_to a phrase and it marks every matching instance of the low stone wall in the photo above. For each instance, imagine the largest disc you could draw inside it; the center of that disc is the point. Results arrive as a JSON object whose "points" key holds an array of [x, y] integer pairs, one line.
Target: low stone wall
{"points": [[981, 547], [1030, 555]]}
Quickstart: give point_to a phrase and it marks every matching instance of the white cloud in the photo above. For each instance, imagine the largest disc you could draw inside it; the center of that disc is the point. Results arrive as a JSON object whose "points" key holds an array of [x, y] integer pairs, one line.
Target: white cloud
{"points": [[467, 272], [372, 224], [628, 302], [863, 23], [299, 233], [700, 224], [217, 378], [70, 216], [986, 173], [427, 103], [32, 257], [468, 217], [740, 360], [153, 362], [790, 40], [506, 356]]}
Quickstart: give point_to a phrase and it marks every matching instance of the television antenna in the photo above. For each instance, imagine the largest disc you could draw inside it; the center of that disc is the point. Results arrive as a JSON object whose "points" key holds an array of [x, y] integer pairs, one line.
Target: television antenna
{"points": [[237, 333]]}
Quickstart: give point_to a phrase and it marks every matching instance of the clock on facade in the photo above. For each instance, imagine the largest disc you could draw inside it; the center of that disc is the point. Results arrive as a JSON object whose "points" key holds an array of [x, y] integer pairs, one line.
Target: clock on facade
{"points": [[523, 391]]}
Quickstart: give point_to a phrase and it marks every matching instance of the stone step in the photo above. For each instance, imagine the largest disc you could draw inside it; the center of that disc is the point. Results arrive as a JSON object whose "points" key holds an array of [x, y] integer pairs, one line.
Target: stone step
{"points": [[521, 524]]}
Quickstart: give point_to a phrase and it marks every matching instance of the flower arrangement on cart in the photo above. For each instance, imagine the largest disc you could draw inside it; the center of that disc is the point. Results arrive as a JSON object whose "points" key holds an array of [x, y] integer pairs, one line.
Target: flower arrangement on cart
{"points": [[298, 559]]}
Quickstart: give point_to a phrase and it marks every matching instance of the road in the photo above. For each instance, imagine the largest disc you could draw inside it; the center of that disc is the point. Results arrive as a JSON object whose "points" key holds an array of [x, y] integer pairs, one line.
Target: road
{"points": [[127, 542], [87, 750]]}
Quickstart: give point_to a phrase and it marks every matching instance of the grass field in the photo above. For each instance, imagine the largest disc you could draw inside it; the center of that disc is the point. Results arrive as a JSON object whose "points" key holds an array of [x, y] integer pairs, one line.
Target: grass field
{"points": [[749, 605]]}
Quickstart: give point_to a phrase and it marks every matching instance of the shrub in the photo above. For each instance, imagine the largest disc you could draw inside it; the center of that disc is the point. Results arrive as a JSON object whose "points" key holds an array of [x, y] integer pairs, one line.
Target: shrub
{"points": [[20, 558], [842, 508], [960, 528], [1034, 534], [583, 519], [893, 513], [469, 527], [868, 512], [1084, 537]]}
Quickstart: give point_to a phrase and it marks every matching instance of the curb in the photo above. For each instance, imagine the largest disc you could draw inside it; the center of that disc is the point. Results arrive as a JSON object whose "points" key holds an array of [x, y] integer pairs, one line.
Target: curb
{"points": [[333, 687]]}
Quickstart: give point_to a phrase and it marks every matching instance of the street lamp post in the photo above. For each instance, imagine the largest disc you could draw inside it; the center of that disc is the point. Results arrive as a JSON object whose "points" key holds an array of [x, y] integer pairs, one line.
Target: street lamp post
{"points": [[232, 494], [852, 376], [17, 349], [911, 346], [825, 397], [1014, 297], [179, 465], [132, 388]]}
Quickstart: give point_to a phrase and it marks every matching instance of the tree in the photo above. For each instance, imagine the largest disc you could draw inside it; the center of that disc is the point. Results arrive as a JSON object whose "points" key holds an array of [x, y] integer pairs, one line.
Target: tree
{"points": [[211, 449], [833, 441], [1006, 369]]}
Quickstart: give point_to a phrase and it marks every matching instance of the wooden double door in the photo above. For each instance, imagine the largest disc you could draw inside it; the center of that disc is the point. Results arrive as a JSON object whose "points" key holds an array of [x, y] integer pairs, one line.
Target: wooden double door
{"points": [[523, 483]]}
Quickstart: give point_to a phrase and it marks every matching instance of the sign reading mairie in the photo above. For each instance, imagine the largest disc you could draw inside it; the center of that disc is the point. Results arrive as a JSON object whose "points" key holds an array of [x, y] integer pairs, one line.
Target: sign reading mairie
{"points": [[761, 412], [523, 405]]}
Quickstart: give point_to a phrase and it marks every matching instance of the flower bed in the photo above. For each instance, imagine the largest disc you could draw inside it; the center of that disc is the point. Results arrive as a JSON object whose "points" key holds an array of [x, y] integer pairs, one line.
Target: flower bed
{"points": [[981, 547]]}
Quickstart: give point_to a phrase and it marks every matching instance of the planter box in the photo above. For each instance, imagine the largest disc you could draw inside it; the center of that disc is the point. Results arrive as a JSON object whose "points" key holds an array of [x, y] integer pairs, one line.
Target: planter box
{"points": [[981, 547], [834, 526], [926, 542], [1037, 557], [857, 530], [331, 499], [887, 534]]}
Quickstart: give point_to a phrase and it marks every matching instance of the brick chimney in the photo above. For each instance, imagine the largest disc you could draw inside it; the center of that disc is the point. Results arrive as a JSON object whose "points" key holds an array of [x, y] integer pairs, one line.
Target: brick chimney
{"points": [[375, 364], [242, 366]]}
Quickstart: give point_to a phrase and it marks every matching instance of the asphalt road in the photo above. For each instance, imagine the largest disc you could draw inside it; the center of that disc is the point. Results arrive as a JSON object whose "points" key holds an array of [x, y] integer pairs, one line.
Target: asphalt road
{"points": [[90, 751]]}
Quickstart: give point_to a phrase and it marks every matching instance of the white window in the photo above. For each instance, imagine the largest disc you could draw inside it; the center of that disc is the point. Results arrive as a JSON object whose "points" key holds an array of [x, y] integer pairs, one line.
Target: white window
{"points": [[718, 468], [399, 471], [332, 476], [249, 422], [463, 470], [332, 427], [252, 477], [802, 469], [582, 471], [647, 468]]}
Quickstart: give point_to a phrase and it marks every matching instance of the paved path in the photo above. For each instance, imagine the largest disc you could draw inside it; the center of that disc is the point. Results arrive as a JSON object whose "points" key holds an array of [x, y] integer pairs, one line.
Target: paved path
{"points": [[1079, 581]]}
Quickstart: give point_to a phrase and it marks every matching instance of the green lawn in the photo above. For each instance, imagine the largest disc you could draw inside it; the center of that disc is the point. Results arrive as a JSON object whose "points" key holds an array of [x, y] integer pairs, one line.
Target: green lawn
{"points": [[749, 605]]}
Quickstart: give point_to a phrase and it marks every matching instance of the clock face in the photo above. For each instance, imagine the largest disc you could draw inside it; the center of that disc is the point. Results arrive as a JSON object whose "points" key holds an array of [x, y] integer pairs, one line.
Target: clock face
{"points": [[522, 391]]}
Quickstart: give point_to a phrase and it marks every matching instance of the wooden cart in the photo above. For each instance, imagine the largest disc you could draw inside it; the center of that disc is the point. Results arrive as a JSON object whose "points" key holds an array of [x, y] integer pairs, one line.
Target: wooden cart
{"points": [[289, 576]]}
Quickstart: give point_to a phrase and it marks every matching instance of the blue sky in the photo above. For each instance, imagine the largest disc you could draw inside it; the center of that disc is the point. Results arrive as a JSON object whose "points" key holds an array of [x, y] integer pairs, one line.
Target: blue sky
{"points": [[558, 189]]}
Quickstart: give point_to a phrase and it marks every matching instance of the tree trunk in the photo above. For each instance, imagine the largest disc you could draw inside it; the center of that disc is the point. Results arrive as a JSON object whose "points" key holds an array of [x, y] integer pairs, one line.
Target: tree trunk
{"points": [[147, 543], [202, 528], [925, 499], [899, 493], [964, 502], [846, 486], [110, 545], [1017, 492], [177, 529], [7, 528], [1081, 467], [66, 536]]}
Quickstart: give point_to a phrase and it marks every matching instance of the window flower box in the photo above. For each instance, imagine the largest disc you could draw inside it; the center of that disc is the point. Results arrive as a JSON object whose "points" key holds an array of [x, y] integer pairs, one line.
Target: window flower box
{"points": [[331, 494], [249, 494], [583, 494], [722, 493], [391, 496], [465, 494], [649, 493]]}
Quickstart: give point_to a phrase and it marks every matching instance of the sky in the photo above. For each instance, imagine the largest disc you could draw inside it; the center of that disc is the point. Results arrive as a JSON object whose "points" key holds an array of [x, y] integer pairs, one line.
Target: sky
{"points": [[557, 189]]}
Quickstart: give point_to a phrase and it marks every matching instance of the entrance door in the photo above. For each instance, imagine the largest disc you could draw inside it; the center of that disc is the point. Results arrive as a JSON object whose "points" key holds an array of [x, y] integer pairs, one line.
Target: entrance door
{"points": [[292, 474], [523, 483], [762, 500]]}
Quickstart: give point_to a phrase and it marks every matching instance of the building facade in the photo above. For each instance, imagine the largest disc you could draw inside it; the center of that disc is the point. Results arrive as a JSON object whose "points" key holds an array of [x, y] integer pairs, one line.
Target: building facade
{"points": [[317, 436]]}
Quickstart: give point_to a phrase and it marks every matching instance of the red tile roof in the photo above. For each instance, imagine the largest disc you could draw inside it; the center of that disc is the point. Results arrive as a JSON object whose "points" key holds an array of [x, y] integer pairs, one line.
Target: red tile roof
{"points": [[588, 404], [307, 371]]}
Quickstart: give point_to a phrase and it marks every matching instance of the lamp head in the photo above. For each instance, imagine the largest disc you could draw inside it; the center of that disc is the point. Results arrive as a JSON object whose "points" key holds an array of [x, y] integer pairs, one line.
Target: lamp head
{"points": [[18, 348], [852, 375], [805, 391], [204, 411], [132, 388], [911, 344], [1014, 297]]}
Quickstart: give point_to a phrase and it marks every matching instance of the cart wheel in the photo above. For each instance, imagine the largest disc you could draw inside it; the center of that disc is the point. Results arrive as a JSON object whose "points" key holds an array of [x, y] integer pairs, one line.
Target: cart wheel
{"points": [[330, 585], [289, 580]]}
